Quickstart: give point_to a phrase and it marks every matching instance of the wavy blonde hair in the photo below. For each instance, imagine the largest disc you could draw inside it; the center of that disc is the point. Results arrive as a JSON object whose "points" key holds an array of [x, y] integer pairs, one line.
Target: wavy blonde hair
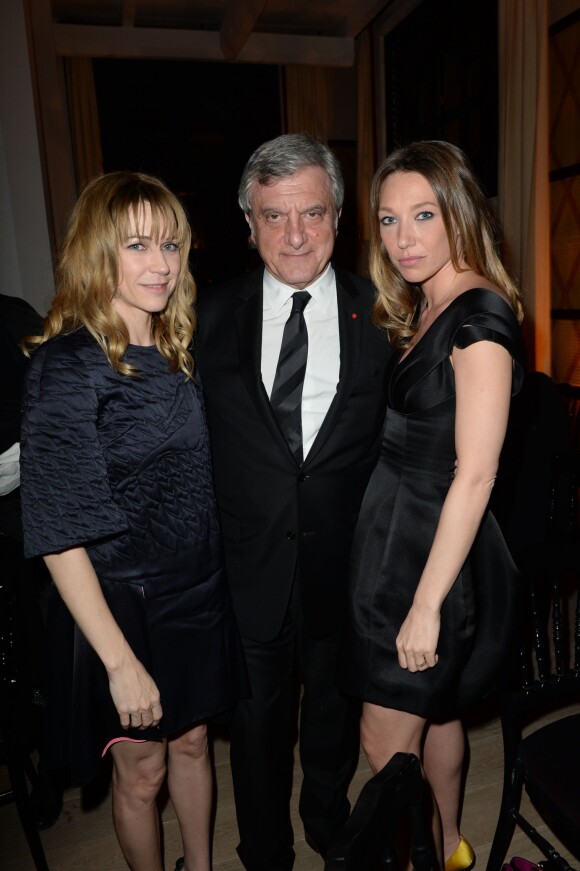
{"points": [[472, 231], [87, 274]]}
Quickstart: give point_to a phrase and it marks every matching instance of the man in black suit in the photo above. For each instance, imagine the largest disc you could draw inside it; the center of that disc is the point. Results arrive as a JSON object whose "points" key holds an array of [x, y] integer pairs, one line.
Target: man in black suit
{"points": [[289, 500]]}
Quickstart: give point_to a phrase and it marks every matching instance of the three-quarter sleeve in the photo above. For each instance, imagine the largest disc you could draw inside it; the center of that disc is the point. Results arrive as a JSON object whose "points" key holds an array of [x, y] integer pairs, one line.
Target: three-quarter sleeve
{"points": [[65, 492]]}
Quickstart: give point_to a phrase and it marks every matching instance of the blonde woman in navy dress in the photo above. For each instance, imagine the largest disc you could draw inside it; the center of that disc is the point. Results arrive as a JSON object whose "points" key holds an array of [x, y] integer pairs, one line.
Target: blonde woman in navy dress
{"points": [[434, 588], [117, 496]]}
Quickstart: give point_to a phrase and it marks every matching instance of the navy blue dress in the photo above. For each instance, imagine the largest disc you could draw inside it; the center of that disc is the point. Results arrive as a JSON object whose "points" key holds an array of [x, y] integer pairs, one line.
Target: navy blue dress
{"points": [[397, 524], [121, 466]]}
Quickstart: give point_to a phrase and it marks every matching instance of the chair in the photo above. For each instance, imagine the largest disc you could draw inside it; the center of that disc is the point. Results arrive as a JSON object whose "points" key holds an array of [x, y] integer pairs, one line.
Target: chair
{"points": [[547, 762], [366, 840], [13, 714]]}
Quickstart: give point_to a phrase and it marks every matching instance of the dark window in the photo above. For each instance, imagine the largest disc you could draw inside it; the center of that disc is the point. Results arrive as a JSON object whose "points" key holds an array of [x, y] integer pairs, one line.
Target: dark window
{"points": [[442, 80]]}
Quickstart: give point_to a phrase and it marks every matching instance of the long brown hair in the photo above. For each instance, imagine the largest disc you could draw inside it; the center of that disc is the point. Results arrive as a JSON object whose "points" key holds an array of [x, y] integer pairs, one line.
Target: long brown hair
{"points": [[472, 231], [87, 274]]}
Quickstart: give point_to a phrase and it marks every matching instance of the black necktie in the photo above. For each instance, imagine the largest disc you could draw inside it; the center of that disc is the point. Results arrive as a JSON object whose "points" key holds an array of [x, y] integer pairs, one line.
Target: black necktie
{"points": [[286, 398]]}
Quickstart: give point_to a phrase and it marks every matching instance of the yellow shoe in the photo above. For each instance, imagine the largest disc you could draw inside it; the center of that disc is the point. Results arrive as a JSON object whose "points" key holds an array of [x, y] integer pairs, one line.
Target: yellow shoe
{"points": [[462, 859]]}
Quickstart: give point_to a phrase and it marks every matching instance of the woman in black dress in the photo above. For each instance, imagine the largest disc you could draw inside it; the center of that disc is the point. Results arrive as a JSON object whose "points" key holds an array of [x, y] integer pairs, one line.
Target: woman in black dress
{"points": [[433, 585], [117, 496]]}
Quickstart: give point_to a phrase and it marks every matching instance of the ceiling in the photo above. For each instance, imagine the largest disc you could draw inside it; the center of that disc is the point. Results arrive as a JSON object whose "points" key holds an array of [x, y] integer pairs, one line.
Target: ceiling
{"points": [[306, 17], [318, 32]]}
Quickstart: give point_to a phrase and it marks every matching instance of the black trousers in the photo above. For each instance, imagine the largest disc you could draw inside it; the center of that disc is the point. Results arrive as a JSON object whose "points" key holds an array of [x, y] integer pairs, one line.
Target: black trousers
{"points": [[263, 734]]}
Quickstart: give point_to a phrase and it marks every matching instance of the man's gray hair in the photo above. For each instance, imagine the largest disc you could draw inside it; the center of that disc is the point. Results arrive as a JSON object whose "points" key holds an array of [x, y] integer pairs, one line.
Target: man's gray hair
{"points": [[282, 157]]}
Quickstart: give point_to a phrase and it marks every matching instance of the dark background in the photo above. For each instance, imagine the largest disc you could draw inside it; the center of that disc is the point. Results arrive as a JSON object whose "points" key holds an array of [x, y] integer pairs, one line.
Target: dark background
{"points": [[194, 124], [441, 69]]}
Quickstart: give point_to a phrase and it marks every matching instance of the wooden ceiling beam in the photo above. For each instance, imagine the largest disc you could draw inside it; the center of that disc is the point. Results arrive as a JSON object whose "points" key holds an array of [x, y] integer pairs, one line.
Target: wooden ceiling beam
{"points": [[321, 51], [239, 20], [88, 40], [78, 40]]}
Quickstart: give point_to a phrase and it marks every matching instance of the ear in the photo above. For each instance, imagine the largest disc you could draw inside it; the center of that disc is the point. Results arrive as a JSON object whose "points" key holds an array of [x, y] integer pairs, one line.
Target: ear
{"points": [[249, 220]]}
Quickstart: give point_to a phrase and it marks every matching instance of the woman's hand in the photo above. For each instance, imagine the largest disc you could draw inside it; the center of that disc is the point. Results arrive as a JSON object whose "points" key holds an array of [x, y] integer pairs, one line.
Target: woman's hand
{"points": [[133, 690], [417, 638], [135, 694]]}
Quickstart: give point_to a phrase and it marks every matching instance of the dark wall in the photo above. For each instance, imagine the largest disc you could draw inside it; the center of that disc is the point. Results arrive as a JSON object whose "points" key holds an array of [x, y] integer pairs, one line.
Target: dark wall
{"points": [[194, 125]]}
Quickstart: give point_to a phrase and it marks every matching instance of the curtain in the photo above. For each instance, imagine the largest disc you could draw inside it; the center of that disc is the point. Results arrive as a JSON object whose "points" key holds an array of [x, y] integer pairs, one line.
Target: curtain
{"points": [[84, 120], [307, 101], [366, 157], [523, 177]]}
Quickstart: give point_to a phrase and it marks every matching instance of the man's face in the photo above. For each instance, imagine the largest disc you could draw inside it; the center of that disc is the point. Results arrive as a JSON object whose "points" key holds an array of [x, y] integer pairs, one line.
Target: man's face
{"points": [[293, 225]]}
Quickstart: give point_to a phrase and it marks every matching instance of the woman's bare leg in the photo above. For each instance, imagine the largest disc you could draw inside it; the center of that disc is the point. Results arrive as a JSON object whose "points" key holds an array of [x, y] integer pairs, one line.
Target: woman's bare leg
{"points": [[443, 755], [190, 787], [138, 772], [385, 731]]}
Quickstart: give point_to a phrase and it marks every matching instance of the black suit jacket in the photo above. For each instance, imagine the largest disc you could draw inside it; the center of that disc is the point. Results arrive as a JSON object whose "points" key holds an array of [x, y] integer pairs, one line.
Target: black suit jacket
{"points": [[276, 514]]}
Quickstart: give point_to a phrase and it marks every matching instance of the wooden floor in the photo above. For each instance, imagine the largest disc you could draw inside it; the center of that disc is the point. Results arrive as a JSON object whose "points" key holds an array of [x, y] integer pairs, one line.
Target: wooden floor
{"points": [[83, 839]]}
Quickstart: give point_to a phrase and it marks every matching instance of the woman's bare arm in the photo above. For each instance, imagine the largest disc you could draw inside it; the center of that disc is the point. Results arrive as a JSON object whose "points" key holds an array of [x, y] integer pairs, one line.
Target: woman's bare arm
{"points": [[134, 692], [483, 378]]}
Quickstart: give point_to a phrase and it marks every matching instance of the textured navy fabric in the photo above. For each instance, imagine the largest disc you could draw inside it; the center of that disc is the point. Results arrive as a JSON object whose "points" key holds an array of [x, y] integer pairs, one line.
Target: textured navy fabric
{"points": [[397, 524], [121, 466]]}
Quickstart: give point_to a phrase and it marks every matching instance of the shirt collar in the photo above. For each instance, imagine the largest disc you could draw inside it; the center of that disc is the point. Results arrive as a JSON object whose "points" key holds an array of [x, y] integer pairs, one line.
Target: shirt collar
{"points": [[277, 295]]}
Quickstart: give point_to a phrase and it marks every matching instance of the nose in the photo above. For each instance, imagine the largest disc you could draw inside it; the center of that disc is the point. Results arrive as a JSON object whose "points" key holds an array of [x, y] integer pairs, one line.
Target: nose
{"points": [[405, 236], [295, 234], [158, 262]]}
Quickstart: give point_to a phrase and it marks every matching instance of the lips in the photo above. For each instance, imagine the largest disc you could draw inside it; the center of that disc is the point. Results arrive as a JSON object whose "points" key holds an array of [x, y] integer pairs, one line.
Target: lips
{"points": [[409, 261], [156, 288]]}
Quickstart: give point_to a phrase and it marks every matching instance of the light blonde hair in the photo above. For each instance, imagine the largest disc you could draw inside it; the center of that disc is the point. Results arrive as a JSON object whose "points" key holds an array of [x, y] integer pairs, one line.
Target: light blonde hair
{"points": [[472, 232], [87, 274]]}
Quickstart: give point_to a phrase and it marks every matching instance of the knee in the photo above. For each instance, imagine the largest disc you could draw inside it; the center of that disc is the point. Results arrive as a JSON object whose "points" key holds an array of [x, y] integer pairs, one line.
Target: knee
{"points": [[378, 742], [193, 744], [140, 782], [385, 732]]}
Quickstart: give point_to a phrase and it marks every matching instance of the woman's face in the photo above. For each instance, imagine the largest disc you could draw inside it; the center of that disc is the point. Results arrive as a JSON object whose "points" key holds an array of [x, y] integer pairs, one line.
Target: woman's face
{"points": [[148, 270], [412, 228]]}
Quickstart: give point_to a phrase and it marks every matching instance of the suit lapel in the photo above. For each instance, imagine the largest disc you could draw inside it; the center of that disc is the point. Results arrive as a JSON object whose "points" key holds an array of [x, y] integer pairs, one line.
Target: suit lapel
{"points": [[248, 320], [350, 326]]}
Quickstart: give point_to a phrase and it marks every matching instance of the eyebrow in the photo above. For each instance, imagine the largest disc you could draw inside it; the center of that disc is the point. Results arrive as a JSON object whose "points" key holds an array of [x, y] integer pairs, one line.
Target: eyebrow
{"points": [[140, 237], [414, 206], [311, 208]]}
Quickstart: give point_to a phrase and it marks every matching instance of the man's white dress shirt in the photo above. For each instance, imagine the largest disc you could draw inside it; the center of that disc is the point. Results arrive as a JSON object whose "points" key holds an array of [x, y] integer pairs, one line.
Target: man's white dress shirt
{"points": [[323, 364]]}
